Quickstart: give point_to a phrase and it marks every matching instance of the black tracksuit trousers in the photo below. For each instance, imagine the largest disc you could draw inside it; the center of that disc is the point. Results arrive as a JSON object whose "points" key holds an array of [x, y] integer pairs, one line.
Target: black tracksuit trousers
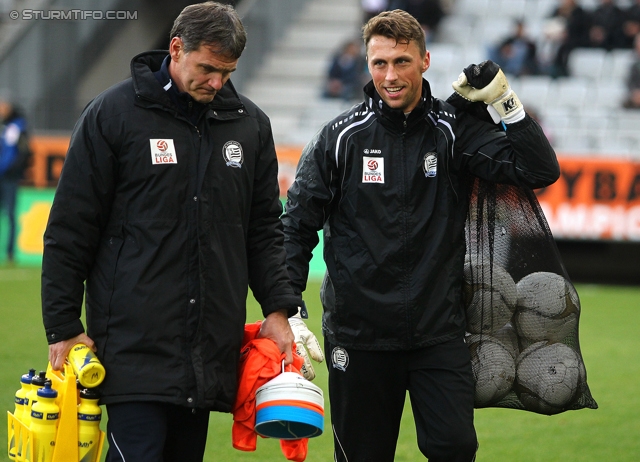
{"points": [[153, 432], [367, 391]]}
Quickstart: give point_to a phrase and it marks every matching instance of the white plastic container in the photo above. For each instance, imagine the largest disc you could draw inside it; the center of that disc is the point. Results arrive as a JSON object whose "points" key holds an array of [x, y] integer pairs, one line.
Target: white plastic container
{"points": [[289, 407]]}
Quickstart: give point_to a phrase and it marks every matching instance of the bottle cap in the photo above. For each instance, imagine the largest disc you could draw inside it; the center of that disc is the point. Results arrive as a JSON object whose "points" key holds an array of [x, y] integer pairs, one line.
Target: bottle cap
{"points": [[89, 393], [26, 378], [40, 379], [47, 391]]}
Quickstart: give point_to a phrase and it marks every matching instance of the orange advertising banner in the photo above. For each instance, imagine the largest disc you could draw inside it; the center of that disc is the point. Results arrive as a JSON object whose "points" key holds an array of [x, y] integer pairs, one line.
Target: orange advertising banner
{"points": [[595, 199], [288, 157], [49, 152]]}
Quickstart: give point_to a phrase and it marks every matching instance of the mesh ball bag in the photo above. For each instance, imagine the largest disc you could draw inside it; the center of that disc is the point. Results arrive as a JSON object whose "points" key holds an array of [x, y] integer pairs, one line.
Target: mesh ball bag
{"points": [[522, 309]]}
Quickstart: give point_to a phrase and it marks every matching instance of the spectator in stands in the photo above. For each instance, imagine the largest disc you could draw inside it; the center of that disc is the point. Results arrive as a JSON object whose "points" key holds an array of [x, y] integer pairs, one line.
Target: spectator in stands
{"points": [[631, 24], [14, 158], [606, 26], [516, 54], [429, 13], [633, 80], [574, 24], [346, 75]]}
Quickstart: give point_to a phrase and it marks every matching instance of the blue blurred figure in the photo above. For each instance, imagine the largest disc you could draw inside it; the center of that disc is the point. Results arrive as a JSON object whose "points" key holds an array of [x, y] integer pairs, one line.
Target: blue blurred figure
{"points": [[14, 157]]}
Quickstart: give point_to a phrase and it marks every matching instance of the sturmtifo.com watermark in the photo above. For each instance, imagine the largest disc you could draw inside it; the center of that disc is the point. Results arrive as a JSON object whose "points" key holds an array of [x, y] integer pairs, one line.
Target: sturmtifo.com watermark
{"points": [[73, 15]]}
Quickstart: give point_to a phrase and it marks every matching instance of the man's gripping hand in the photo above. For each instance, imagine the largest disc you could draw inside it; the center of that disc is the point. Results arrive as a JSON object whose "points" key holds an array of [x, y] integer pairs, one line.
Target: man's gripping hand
{"points": [[59, 351], [487, 83], [306, 345]]}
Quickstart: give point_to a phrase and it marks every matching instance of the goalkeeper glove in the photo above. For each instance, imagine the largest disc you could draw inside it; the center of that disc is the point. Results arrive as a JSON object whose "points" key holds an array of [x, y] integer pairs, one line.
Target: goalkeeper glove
{"points": [[486, 82], [306, 345]]}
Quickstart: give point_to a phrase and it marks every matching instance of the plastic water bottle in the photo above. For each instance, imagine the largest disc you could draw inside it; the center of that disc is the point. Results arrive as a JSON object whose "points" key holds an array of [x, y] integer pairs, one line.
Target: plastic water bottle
{"points": [[37, 382], [18, 414], [21, 394], [86, 365], [89, 415], [44, 424]]}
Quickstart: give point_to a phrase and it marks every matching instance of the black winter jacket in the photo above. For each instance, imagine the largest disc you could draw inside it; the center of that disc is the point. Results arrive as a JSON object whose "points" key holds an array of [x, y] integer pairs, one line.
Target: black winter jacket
{"points": [[149, 208], [391, 195]]}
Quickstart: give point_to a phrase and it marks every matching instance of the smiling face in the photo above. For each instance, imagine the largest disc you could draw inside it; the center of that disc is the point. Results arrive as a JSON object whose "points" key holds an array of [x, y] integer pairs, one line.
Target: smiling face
{"points": [[201, 72], [396, 70]]}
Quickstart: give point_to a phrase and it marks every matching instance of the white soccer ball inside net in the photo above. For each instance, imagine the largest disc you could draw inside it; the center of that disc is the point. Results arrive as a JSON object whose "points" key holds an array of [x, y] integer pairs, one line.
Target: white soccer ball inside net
{"points": [[509, 338], [489, 295], [547, 308], [548, 376], [493, 369]]}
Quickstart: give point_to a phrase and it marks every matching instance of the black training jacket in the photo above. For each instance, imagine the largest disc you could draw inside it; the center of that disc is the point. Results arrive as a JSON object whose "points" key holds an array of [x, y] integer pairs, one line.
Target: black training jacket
{"points": [[391, 195], [142, 191]]}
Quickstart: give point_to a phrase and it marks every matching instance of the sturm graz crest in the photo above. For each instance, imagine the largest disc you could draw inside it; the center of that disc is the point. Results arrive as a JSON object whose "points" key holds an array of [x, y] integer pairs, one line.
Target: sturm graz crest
{"points": [[232, 153], [340, 358], [430, 164]]}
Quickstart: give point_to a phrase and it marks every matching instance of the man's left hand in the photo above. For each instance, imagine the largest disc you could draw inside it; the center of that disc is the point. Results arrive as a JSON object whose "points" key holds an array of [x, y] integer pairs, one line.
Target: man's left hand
{"points": [[486, 82]]}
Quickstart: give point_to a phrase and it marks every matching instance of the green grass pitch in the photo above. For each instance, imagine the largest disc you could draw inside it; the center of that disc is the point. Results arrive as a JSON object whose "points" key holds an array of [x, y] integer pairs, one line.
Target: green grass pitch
{"points": [[610, 345]]}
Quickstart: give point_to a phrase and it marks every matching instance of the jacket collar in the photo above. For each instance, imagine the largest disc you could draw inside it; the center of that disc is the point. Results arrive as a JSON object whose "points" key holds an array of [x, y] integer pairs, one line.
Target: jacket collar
{"points": [[395, 119], [149, 90], [183, 101]]}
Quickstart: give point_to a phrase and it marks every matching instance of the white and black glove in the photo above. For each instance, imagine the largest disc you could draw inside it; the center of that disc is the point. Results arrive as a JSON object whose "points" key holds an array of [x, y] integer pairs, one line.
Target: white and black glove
{"points": [[306, 345], [487, 83]]}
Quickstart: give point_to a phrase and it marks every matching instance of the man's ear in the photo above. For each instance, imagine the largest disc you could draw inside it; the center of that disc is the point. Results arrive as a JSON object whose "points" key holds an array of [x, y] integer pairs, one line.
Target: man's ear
{"points": [[426, 62], [175, 46]]}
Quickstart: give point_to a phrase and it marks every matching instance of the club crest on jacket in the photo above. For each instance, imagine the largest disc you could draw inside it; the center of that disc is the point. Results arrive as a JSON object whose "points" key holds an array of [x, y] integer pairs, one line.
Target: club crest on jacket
{"points": [[430, 165], [232, 153], [340, 358]]}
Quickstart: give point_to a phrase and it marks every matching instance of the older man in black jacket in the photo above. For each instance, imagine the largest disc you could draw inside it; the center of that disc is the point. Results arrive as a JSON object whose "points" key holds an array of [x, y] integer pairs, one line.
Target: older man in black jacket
{"points": [[168, 208]]}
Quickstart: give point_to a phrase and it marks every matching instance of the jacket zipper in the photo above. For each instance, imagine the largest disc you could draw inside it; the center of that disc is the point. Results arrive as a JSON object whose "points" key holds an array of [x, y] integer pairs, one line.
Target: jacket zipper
{"points": [[405, 232]]}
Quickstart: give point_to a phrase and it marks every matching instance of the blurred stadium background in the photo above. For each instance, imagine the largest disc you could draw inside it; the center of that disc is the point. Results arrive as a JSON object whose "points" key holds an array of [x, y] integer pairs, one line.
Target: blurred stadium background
{"points": [[53, 67]]}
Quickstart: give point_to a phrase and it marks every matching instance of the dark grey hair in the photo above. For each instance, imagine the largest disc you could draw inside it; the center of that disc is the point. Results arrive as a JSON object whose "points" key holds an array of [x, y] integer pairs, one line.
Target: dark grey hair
{"points": [[212, 24]]}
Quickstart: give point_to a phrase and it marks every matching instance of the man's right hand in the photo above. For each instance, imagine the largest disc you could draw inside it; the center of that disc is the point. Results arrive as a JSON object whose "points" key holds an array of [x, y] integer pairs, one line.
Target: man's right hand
{"points": [[58, 351]]}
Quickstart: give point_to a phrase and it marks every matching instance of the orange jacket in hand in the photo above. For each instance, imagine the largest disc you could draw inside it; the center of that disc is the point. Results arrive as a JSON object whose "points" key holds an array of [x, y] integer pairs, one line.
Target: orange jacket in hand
{"points": [[260, 361]]}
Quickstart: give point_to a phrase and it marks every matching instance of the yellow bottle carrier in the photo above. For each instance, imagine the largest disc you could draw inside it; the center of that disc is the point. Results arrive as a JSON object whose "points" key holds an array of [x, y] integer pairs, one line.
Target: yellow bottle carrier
{"points": [[66, 448]]}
